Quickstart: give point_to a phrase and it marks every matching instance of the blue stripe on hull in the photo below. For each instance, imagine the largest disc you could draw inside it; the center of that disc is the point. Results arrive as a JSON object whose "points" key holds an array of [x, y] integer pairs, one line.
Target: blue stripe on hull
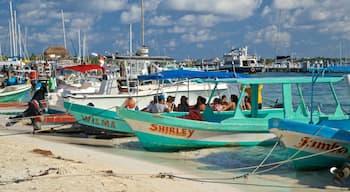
{"points": [[158, 143], [316, 162]]}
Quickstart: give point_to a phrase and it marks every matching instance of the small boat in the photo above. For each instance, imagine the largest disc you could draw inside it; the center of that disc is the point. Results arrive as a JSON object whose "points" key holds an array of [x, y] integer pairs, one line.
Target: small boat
{"points": [[15, 108], [97, 117], [314, 146], [168, 132], [51, 121], [14, 92], [103, 115], [240, 61]]}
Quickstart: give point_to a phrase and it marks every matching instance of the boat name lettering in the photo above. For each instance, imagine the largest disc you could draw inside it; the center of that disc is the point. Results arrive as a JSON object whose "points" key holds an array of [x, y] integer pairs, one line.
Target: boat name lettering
{"points": [[97, 121], [166, 130], [307, 142]]}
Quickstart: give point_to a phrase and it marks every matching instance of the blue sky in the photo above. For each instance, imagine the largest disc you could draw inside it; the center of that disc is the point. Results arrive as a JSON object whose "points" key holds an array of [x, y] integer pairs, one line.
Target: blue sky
{"points": [[186, 28]]}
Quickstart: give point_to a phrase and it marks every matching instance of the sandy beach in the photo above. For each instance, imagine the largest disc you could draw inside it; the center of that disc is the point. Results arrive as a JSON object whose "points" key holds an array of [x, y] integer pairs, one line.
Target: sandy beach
{"points": [[31, 163]]}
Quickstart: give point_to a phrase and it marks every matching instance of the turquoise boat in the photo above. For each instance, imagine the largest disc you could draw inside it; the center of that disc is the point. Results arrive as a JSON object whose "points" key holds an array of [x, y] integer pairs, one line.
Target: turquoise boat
{"points": [[98, 118], [14, 92], [170, 132], [108, 119], [314, 146]]}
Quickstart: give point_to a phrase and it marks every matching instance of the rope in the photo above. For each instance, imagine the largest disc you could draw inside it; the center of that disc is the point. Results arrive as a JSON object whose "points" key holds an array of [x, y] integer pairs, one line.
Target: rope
{"points": [[267, 156], [286, 161]]}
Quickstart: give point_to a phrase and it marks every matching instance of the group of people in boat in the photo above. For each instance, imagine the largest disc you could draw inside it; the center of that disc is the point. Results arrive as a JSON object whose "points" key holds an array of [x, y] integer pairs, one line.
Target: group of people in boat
{"points": [[159, 104]]}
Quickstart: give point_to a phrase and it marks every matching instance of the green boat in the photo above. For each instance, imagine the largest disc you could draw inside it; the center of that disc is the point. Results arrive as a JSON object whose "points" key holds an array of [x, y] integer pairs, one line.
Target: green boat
{"points": [[97, 117], [14, 92], [170, 132]]}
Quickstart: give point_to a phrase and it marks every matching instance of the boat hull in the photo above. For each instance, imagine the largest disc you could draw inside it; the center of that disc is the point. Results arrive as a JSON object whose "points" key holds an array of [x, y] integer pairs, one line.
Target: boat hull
{"points": [[15, 108], [14, 92], [313, 151], [167, 134], [52, 121], [98, 118]]}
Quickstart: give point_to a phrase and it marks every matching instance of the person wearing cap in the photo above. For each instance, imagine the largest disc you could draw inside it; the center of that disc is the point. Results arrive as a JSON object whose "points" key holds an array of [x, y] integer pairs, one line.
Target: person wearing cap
{"points": [[183, 105], [160, 106]]}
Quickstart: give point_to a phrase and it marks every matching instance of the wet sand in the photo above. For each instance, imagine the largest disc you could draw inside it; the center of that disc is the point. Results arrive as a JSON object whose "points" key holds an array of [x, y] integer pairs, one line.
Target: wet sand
{"points": [[44, 163]]}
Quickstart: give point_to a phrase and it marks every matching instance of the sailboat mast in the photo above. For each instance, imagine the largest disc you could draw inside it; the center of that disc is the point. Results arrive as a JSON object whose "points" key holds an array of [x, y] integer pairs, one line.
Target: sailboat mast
{"points": [[64, 30], [19, 41], [130, 39], [142, 25], [12, 33], [15, 33]]}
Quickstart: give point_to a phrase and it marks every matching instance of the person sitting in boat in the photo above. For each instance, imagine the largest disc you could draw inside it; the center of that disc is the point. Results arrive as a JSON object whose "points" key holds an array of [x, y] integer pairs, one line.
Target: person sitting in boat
{"points": [[200, 105], [183, 105], [248, 90], [231, 106], [224, 102], [170, 103], [217, 106], [160, 106], [247, 104], [150, 105], [130, 103]]}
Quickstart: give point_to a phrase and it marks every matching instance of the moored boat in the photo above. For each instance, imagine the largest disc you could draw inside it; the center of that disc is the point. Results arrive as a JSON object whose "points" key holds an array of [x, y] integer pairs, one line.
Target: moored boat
{"points": [[168, 132], [97, 117], [103, 115], [15, 108], [314, 146], [14, 92]]}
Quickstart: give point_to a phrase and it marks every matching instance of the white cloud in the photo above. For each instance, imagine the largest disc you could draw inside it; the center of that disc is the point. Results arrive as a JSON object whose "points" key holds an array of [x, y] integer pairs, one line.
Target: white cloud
{"points": [[237, 10], [133, 14], [325, 16], [198, 36], [177, 29], [266, 11], [105, 5], [292, 4], [198, 20], [171, 43], [270, 35], [161, 21]]}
